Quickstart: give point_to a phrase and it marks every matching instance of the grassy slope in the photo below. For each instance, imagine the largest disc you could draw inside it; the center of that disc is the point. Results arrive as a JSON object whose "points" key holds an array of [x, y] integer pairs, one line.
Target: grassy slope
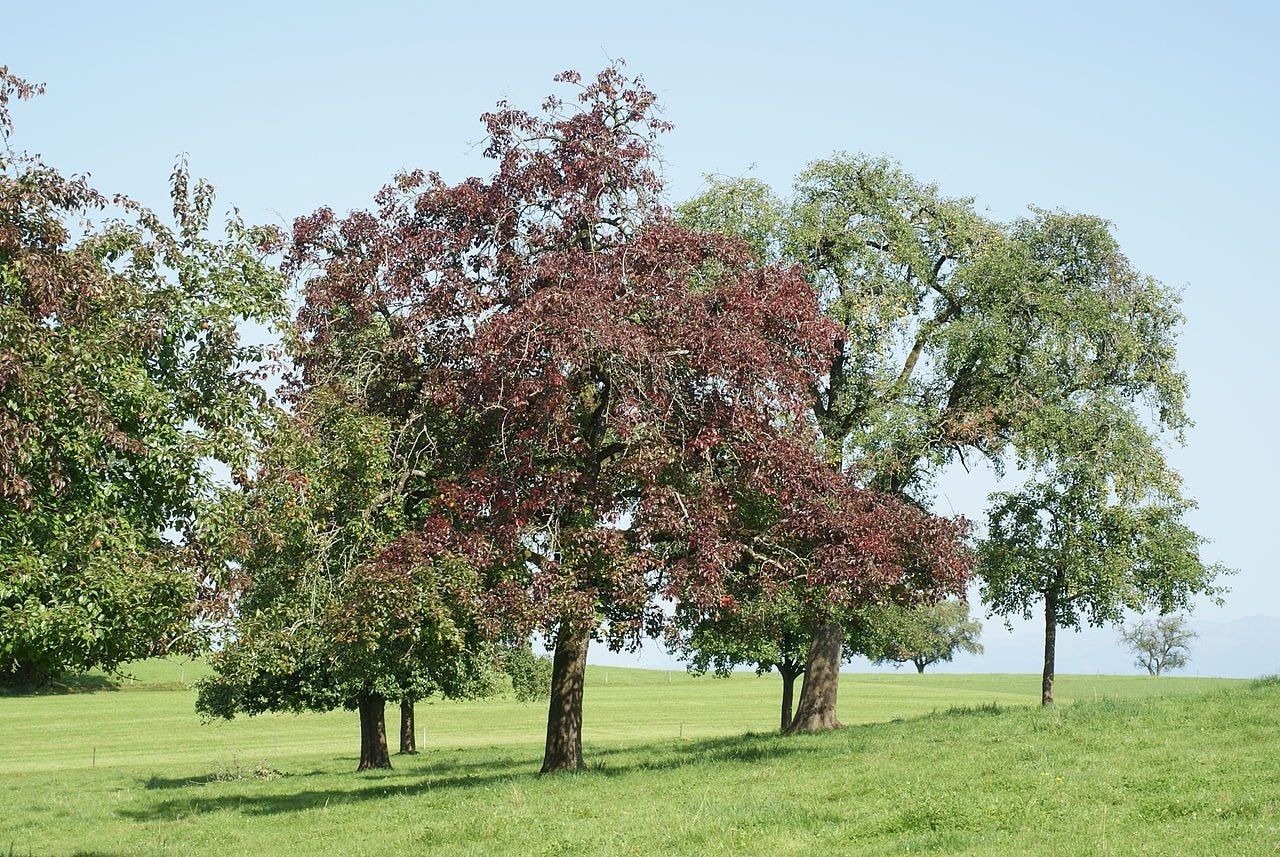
{"points": [[1168, 766]]}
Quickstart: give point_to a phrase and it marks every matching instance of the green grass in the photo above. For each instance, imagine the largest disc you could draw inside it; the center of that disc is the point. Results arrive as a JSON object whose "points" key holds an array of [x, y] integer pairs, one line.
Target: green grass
{"points": [[941, 763]]}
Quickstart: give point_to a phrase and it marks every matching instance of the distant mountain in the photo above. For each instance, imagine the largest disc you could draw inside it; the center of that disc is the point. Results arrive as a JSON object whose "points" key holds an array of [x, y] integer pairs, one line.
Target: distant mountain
{"points": [[1235, 648]]}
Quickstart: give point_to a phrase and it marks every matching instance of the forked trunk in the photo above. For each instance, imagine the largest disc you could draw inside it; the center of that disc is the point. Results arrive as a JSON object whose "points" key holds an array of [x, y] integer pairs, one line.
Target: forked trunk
{"points": [[373, 733], [920, 665], [789, 672], [1050, 646], [817, 709], [564, 716], [408, 743]]}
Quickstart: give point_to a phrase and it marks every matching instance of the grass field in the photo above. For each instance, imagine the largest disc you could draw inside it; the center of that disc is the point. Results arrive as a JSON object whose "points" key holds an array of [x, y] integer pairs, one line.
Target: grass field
{"points": [[934, 763]]}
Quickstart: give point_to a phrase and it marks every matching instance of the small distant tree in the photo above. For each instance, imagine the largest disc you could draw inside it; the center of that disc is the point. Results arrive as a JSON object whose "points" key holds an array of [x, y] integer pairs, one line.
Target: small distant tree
{"points": [[928, 635], [1160, 644]]}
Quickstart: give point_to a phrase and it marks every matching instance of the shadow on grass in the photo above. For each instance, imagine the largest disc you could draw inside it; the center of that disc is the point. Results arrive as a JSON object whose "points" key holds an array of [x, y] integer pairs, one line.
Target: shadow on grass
{"points": [[423, 775], [609, 762], [971, 710], [245, 774], [67, 684]]}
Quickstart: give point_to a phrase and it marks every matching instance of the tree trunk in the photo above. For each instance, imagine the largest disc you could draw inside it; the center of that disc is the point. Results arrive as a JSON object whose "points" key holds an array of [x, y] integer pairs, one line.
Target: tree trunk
{"points": [[817, 709], [564, 716], [408, 740], [920, 666], [788, 671], [1050, 646], [373, 733], [25, 676]]}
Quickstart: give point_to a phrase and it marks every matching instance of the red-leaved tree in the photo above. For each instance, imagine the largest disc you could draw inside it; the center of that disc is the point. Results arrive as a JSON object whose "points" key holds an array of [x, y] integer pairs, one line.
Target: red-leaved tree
{"points": [[622, 394]]}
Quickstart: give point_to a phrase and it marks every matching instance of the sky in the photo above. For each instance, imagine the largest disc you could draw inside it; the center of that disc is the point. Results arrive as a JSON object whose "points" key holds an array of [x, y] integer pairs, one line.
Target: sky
{"points": [[1162, 117]]}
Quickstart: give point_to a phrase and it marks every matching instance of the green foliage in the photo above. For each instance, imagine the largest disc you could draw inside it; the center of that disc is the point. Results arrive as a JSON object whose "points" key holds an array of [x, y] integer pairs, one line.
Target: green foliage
{"points": [[530, 674], [961, 333], [122, 377], [1092, 551], [746, 208], [926, 635], [315, 619], [282, 544], [766, 632]]}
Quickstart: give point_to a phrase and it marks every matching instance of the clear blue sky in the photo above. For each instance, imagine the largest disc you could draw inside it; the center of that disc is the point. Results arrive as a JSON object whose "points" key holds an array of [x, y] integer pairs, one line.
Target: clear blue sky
{"points": [[1159, 116]]}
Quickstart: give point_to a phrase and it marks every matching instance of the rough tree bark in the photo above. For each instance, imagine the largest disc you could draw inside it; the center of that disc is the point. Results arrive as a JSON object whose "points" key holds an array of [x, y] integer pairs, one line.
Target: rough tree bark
{"points": [[373, 733], [564, 715], [408, 740], [789, 670], [1050, 645], [817, 709]]}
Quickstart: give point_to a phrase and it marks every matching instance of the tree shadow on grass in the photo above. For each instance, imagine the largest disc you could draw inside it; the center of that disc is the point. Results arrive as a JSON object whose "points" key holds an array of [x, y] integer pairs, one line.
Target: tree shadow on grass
{"points": [[64, 685], [373, 787], [401, 771], [739, 750], [606, 762], [247, 775]]}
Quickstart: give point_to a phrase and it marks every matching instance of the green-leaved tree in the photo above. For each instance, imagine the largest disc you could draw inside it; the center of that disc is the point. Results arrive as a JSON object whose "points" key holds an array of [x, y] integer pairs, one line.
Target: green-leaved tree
{"points": [[1160, 644], [962, 337], [123, 377], [1098, 530], [319, 614], [927, 635]]}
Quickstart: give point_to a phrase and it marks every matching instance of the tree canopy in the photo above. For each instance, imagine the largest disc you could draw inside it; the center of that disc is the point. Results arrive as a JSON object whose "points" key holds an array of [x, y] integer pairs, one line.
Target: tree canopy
{"points": [[957, 335], [927, 635], [123, 376]]}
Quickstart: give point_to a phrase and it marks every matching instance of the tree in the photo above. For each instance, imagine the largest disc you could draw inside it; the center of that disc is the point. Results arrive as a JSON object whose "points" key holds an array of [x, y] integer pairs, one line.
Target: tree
{"points": [[773, 631], [766, 633], [319, 617], [958, 335], [928, 635], [1160, 644], [620, 384], [847, 554], [122, 379], [1099, 531]]}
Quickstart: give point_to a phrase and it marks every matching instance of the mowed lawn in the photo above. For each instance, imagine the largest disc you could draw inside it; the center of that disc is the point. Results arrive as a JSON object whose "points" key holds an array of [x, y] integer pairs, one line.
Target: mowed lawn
{"points": [[934, 763]]}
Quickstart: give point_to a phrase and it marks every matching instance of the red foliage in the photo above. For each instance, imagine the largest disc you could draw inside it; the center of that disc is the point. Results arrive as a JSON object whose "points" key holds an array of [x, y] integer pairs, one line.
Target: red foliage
{"points": [[616, 383]]}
